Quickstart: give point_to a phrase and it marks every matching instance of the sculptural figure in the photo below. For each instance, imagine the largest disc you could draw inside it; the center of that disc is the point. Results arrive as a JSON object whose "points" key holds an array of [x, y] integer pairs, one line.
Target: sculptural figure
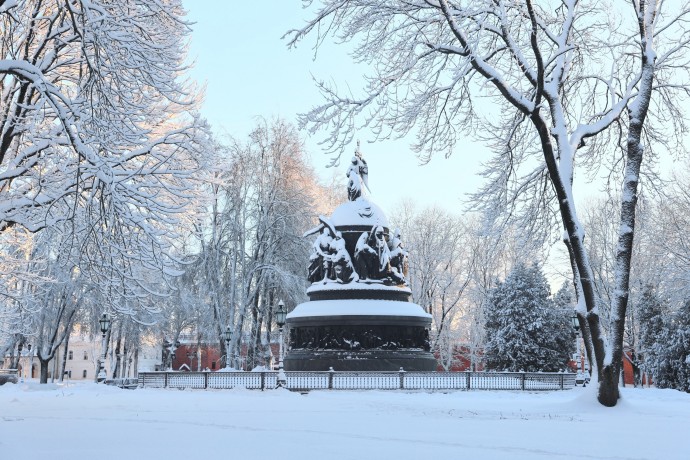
{"points": [[366, 259], [357, 174], [398, 255], [382, 252], [319, 262], [341, 268]]}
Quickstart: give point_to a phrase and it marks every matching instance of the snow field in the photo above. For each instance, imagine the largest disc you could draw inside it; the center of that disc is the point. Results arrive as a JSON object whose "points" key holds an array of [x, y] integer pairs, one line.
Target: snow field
{"points": [[87, 421]]}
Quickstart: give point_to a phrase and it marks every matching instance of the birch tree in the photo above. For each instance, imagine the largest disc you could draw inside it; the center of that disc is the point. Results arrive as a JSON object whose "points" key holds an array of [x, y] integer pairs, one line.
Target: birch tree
{"points": [[566, 80]]}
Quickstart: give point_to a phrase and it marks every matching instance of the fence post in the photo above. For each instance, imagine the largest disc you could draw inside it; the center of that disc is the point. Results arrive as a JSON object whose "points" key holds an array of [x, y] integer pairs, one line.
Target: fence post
{"points": [[561, 376], [330, 378], [402, 378], [522, 381], [263, 380], [205, 380], [469, 379], [165, 383]]}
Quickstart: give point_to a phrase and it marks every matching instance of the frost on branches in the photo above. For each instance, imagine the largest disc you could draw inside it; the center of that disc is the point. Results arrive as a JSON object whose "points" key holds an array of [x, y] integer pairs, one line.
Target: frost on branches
{"points": [[98, 144]]}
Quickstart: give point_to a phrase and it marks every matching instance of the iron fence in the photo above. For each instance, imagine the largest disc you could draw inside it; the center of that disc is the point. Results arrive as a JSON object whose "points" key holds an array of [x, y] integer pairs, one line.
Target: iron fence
{"points": [[334, 380]]}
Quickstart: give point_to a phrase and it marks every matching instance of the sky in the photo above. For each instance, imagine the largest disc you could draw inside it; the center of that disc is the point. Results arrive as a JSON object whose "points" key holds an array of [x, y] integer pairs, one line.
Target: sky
{"points": [[85, 421], [249, 72]]}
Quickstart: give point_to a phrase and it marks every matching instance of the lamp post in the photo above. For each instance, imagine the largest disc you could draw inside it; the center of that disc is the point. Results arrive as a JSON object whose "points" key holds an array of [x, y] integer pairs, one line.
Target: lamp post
{"points": [[576, 327], [227, 335], [31, 361], [280, 314], [104, 323], [173, 348]]}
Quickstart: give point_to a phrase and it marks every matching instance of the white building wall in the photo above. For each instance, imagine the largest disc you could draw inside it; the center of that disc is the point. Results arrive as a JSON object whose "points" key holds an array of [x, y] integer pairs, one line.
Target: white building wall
{"points": [[82, 356]]}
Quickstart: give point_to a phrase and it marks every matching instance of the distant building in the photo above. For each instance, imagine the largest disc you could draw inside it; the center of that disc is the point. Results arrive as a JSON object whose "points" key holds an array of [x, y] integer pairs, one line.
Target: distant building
{"points": [[82, 357]]}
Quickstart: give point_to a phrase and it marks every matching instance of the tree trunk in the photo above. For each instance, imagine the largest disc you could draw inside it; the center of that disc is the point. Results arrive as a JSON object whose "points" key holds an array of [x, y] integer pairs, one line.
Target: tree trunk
{"points": [[44, 370], [579, 254], [118, 356], [581, 319], [64, 358], [608, 388], [14, 361]]}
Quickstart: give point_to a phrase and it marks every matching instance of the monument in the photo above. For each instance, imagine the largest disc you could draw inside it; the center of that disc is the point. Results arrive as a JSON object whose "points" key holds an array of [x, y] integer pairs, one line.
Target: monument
{"points": [[359, 316]]}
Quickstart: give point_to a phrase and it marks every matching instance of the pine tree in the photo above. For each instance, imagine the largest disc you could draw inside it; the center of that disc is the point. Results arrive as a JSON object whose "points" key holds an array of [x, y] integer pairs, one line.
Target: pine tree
{"points": [[673, 370], [652, 330], [525, 330]]}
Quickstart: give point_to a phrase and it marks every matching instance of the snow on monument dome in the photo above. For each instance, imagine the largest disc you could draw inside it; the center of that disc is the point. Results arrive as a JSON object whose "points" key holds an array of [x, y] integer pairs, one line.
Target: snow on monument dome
{"points": [[359, 212]]}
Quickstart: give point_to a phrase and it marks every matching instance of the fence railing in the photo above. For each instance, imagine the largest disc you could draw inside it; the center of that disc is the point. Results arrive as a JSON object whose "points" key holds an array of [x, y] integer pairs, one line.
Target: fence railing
{"points": [[333, 380], [8, 376], [123, 382]]}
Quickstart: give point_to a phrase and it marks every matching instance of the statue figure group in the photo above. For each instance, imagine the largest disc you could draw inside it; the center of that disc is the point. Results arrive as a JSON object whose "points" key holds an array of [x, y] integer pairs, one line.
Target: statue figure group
{"points": [[330, 260], [374, 258]]}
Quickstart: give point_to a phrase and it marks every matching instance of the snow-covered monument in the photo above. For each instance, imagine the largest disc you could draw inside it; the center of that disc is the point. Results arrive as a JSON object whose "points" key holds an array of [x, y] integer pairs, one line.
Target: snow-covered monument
{"points": [[359, 316]]}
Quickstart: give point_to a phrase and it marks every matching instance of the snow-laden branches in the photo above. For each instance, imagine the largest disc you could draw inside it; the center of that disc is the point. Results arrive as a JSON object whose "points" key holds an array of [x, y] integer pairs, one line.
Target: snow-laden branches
{"points": [[88, 90], [99, 144]]}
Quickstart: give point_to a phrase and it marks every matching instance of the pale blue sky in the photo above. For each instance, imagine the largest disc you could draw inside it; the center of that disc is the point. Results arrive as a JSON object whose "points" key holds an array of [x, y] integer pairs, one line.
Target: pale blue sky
{"points": [[250, 72]]}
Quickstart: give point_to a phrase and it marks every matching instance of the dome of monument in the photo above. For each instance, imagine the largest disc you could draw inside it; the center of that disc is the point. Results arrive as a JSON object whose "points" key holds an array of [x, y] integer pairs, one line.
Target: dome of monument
{"points": [[359, 212]]}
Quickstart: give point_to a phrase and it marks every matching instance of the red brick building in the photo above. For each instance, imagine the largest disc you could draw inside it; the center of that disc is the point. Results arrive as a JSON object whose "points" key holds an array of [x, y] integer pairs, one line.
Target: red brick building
{"points": [[205, 357]]}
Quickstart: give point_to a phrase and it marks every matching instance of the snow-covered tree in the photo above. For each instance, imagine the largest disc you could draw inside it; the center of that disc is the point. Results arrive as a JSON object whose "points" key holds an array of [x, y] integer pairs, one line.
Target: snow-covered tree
{"points": [[93, 109], [439, 271], [650, 317], [98, 149], [567, 81], [250, 253], [524, 329], [673, 366]]}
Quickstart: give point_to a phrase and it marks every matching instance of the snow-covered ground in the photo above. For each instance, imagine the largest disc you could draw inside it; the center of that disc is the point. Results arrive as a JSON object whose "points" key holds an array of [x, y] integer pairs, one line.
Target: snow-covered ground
{"points": [[89, 421]]}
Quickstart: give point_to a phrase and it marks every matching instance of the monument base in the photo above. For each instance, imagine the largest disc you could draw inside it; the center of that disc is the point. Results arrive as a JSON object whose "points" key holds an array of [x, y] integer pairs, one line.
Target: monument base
{"points": [[369, 360]]}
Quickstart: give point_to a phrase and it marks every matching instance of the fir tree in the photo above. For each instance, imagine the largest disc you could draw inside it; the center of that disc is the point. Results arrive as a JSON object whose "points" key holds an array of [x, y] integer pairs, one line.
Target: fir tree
{"points": [[524, 328], [652, 330], [673, 370]]}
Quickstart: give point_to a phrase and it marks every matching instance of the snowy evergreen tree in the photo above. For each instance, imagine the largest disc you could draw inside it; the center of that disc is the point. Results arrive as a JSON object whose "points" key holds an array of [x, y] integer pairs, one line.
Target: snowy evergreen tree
{"points": [[673, 370], [525, 330], [565, 298], [652, 331]]}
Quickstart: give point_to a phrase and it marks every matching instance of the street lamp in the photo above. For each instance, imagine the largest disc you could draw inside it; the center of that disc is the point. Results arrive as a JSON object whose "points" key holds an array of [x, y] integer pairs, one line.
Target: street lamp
{"points": [[227, 335], [118, 356], [580, 377], [173, 348], [31, 361], [104, 323], [280, 314]]}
